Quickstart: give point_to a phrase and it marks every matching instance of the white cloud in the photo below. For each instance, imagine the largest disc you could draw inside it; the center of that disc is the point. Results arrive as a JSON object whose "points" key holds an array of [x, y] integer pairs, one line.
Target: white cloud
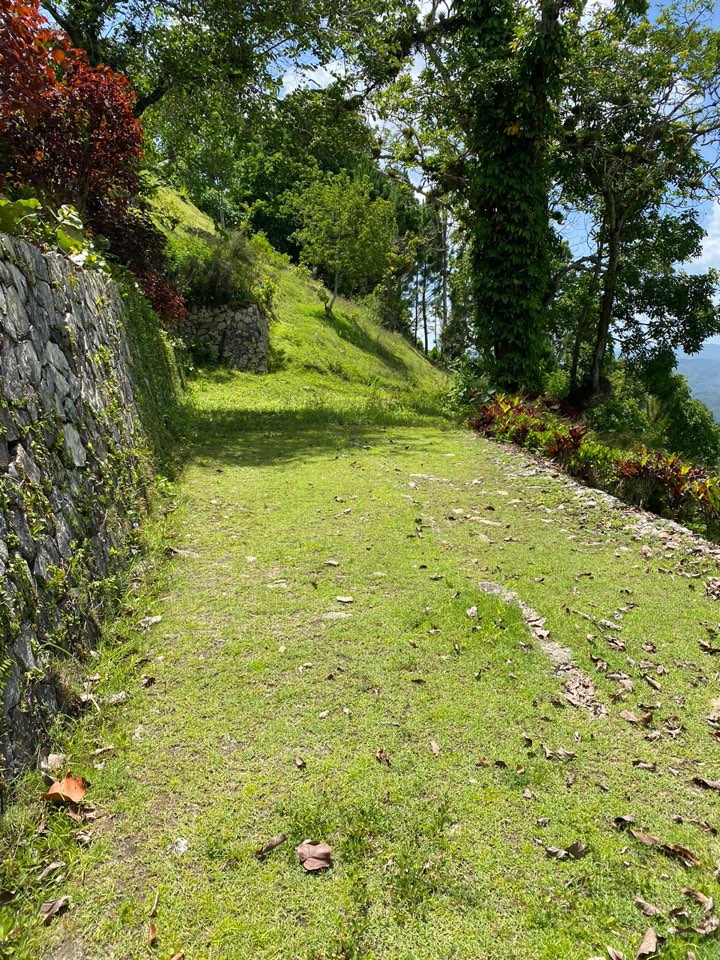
{"points": [[319, 76], [711, 245]]}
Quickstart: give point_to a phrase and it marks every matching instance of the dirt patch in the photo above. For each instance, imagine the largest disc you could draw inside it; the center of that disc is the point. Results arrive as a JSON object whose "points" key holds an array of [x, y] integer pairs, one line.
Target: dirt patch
{"points": [[578, 688]]}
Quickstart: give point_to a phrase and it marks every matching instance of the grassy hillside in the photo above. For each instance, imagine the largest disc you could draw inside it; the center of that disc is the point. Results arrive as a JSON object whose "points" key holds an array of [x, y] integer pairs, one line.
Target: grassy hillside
{"points": [[347, 362]]}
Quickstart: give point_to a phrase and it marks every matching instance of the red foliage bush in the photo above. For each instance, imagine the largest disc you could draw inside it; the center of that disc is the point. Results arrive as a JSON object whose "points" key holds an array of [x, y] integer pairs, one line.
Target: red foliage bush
{"points": [[658, 481], [69, 131], [167, 303], [70, 128]]}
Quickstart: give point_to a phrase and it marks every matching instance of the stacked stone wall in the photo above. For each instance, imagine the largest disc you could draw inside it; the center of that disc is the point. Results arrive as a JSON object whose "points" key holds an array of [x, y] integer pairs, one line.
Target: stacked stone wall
{"points": [[237, 335], [74, 470]]}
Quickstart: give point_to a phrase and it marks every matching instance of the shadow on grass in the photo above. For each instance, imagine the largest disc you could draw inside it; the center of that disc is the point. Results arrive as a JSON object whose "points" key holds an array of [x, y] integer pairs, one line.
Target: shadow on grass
{"points": [[352, 332], [252, 437]]}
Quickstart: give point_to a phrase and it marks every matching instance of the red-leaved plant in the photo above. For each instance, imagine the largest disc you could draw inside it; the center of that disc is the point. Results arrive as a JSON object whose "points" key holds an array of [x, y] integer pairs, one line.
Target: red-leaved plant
{"points": [[68, 130]]}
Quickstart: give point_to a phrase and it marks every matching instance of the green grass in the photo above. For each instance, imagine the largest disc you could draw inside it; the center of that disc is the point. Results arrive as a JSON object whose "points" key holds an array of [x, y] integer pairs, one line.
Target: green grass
{"points": [[328, 458]]}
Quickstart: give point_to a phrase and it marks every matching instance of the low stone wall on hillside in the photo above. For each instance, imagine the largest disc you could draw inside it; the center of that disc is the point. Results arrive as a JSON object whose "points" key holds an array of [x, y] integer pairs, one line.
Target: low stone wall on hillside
{"points": [[237, 335], [73, 474]]}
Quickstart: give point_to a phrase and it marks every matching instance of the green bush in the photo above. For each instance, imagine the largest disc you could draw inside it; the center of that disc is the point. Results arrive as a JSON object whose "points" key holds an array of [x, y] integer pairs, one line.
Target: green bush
{"points": [[651, 479], [158, 386], [214, 271]]}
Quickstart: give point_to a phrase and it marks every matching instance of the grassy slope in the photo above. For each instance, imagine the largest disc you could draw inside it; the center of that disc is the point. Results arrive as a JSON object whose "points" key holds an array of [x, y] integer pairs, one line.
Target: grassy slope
{"points": [[435, 857]]}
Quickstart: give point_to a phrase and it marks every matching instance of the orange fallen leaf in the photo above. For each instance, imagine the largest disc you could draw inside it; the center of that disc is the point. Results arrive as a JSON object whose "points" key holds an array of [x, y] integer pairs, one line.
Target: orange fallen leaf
{"points": [[69, 790], [152, 935]]}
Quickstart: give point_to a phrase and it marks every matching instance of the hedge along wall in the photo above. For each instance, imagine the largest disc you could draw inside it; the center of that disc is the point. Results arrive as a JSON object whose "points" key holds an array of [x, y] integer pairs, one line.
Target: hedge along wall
{"points": [[88, 387]]}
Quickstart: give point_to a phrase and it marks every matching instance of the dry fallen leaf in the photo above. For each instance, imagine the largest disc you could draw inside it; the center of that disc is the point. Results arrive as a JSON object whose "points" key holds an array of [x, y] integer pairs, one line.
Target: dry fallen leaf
{"points": [[615, 954], [435, 747], [344, 599], [382, 756], [148, 622], [645, 720], [50, 868], [299, 763], [270, 845], [314, 856], [649, 945], [146, 680], [649, 909], [68, 790], [624, 821], [52, 763], [152, 935], [53, 908], [707, 903], [706, 784]]}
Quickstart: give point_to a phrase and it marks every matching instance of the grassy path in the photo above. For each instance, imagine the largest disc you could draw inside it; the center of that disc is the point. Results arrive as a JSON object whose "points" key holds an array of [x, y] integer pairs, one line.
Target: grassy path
{"points": [[328, 479], [287, 506]]}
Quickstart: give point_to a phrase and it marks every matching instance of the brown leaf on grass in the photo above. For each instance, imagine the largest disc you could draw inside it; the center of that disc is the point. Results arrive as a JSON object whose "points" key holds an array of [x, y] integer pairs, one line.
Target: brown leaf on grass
{"points": [[707, 903], [649, 945], [615, 954], [624, 821], [708, 647], [575, 851], [703, 824], [152, 935], [84, 838], [646, 838], [483, 762], [642, 765], [344, 599], [645, 720], [435, 747], [382, 756], [50, 868], [706, 784], [314, 856], [685, 856], [271, 845], [178, 956], [69, 790], [578, 850], [711, 924], [649, 909], [146, 680], [53, 908], [148, 622], [299, 763], [52, 763]]}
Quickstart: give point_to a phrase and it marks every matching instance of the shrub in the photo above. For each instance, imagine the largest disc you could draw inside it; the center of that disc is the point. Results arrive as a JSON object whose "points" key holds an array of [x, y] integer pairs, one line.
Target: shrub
{"points": [[69, 128], [660, 482], [69, 132], [212, 271]]}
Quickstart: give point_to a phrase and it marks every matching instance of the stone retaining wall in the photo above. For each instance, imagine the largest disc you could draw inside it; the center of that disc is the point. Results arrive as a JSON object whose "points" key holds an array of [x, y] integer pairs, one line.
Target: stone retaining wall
{"points": [[237, 335], [73, 472]]}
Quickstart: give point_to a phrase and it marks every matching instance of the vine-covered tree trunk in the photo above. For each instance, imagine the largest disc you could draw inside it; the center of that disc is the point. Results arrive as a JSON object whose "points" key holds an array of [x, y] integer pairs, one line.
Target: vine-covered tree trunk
{"points": [[509, 183]]}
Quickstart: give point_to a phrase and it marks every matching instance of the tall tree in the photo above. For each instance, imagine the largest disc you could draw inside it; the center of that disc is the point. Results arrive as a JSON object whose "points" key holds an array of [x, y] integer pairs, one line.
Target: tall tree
{"points": [[479, 120], [640, 147]]}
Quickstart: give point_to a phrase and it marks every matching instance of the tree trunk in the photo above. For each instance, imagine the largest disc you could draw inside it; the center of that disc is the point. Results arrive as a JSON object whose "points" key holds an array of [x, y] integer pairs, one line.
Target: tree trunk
{"points": [[329, 306], [424, 312], [417, 305], [582, 322], [607, 304], [444, 278]]}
